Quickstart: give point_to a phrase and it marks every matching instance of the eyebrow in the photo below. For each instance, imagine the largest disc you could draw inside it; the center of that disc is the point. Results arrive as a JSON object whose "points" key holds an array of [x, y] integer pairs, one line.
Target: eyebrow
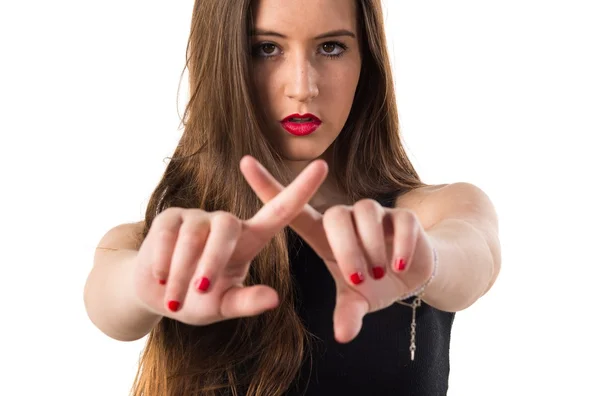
{"points": [[333, 33]]}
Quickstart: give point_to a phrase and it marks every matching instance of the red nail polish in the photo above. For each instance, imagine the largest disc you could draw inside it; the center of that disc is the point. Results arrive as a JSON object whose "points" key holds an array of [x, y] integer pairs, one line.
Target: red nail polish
{"points": [[174, 305], [162, 281], [378, 272], [203, 284], [357, 278], [400, 264]]}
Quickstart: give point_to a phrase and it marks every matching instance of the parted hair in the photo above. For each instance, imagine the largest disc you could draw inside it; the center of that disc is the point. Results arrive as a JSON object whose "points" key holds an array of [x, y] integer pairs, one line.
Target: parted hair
{"points": [[222, 122]]}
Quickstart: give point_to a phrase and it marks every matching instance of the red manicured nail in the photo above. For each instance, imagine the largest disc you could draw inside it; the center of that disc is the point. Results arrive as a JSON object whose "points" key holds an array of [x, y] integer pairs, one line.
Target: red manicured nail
{"points": [[378, 272], [400, 264], [162, 281], [203, 284], [357, 278], [174, 305]]}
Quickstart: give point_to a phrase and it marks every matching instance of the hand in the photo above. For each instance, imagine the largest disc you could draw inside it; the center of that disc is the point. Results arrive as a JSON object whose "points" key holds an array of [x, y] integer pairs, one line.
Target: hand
{"points": [[362, 246], [194, 251]]}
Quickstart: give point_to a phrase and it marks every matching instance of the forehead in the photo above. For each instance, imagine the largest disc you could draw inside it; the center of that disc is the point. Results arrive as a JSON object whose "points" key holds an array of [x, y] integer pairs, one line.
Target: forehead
{"points": [[304, 18]]}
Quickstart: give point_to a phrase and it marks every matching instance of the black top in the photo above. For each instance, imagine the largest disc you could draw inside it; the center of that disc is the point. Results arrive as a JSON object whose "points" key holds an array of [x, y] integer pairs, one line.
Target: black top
{"points": [[377, 362]]}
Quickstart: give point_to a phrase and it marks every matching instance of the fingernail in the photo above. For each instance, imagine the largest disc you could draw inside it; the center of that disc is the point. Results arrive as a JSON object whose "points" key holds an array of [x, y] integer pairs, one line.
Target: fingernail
{"points": [[400, 264], [357, 278], [174, 305], [203, 284], [378, 272], [162, 281]]}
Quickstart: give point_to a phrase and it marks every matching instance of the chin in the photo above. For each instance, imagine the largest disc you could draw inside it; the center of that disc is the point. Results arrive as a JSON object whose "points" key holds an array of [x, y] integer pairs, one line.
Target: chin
{"points": [[301, 155], [306, 148]]}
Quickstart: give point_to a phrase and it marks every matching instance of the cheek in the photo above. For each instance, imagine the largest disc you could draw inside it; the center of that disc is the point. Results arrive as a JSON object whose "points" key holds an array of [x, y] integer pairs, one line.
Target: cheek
{"points": [[261, 82], [343, 86]]}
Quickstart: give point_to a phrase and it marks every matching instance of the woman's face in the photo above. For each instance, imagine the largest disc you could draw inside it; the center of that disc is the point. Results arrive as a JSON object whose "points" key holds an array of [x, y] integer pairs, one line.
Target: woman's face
{"points": [[306, 61]]}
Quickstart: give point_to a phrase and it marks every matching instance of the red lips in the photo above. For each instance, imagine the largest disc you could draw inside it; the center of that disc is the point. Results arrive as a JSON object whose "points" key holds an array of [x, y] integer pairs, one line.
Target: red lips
{"points": [[301, 124]]}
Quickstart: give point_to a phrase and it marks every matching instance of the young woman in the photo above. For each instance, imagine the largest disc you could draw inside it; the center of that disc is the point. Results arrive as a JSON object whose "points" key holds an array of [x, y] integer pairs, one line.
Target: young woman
{"points": [[247, 287]]}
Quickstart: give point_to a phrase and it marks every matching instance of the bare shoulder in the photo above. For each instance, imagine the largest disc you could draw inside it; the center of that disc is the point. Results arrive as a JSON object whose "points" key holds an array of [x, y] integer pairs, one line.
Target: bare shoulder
{"points": [[414, 198], [457, 200], [122, 236], [416, 201]]}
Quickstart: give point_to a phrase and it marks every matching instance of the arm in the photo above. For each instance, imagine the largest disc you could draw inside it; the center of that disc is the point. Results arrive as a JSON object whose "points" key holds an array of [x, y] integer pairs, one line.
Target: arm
{"points": [[462, 225], [108, 295]]}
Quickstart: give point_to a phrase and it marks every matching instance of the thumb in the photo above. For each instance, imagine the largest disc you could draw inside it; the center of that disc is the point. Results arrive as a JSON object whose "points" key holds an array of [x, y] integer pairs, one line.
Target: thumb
{"points": [[240, 301], [350, 308]]}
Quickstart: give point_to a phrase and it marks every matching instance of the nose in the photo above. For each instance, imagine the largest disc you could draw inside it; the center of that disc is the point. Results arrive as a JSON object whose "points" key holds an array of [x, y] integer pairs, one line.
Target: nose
{"points": [[301, 79]]}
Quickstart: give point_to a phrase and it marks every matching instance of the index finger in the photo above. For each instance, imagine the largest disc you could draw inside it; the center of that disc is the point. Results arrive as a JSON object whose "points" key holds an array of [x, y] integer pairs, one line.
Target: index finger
{"points": [[308, 222], [287, 204]]}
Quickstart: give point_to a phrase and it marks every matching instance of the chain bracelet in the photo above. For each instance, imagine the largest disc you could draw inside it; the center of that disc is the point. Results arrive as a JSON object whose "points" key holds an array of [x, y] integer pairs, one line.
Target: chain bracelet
{"points": [[419, 293]]}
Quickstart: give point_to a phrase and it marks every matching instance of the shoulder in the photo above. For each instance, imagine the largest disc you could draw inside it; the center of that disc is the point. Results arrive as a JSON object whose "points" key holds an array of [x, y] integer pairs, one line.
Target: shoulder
{"points": [[433, 203], [414, 198], [123, 236]]}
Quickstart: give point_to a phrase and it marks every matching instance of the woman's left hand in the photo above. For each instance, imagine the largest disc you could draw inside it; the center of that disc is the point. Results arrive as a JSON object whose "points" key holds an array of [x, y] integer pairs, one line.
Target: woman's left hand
{"points": [[375, 254]]}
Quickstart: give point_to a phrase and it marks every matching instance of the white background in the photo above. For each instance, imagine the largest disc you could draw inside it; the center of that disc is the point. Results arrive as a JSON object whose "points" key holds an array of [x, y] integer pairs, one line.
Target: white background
{"points": [[505, 95]]}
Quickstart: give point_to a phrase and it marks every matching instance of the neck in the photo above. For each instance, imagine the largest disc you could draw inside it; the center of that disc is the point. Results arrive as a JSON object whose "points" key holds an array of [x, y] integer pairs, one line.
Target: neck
{"points": [[327, 195]]}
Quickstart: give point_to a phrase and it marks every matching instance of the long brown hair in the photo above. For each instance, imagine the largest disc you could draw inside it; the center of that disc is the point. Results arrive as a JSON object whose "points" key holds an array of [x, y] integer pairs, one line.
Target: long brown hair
{"points": [[260, 355]]}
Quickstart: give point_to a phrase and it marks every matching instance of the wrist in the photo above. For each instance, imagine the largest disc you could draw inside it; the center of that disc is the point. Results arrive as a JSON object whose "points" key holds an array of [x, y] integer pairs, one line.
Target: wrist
{"points": [[143, 317], [422, 290]]}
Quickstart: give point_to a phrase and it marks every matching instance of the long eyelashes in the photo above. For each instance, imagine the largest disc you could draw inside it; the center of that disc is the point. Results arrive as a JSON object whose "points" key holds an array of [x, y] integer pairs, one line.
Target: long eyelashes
{"points": [[268, 50], [335, 44]]}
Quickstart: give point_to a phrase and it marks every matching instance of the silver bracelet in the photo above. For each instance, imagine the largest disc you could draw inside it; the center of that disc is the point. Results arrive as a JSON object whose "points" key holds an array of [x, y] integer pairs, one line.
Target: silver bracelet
{"points": [[421, 289], [417, 303]]}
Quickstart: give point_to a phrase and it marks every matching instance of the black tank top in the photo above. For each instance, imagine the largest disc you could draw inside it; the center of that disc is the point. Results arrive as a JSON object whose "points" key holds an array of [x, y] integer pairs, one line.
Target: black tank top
{"points": [[377, 362]]}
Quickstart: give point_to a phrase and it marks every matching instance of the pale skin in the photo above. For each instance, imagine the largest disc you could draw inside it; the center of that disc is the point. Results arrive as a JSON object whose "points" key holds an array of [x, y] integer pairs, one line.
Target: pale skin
{"points": [[294, 75], [199, 260], [185, 246], [298, 72]]}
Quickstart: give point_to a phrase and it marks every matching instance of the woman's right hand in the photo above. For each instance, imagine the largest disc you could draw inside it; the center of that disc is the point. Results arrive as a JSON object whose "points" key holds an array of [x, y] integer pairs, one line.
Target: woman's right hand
{"points": [[192, 264]]}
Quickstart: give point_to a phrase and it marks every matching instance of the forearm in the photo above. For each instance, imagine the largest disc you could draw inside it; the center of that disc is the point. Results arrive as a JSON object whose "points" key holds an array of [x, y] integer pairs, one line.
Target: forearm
{"points": [[110, 301], [465, 269]]}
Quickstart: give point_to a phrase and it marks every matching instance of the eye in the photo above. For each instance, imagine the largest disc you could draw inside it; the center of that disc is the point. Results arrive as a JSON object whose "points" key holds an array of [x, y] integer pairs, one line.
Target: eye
{"points": [[333, 49], [265, 50]]}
